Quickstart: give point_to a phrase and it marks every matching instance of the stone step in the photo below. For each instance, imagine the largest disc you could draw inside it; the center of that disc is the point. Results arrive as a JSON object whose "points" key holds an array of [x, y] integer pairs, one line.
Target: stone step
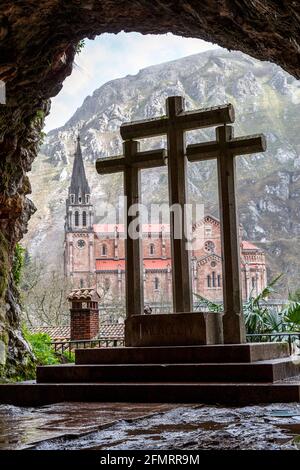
{"points": [[261, 371], [24, 394], [248, 352]]}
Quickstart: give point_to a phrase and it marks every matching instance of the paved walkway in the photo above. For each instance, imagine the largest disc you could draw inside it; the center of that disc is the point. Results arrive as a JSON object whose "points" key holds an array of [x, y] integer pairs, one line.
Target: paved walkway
{"points": [[149, 426]]}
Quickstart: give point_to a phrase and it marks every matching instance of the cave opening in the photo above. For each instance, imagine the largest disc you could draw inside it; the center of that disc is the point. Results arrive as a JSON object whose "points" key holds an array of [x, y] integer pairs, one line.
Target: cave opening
{"points": [[37, 54]]}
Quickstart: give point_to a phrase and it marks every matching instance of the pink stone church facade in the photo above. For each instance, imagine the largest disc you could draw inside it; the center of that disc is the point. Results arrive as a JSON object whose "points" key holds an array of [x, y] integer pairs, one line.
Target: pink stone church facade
{"points": [[95, 254]]}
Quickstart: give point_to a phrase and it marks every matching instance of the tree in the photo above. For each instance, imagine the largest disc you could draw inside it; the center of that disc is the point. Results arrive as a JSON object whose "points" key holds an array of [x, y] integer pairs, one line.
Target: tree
{"points": [[44, 295]]}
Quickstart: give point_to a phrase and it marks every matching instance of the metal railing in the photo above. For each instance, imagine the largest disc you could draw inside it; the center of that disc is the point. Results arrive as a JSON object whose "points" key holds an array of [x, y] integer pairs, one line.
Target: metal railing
{"points": [[292, 337], [70, 346]]}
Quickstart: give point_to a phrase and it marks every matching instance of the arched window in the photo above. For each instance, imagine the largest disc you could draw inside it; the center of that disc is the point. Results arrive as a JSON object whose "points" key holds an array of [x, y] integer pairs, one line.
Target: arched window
{"points": [[84, 219], [253, 280], [76, 219], [87, 198], [219, 280], [156, 283], [81, 283], [79, 199], [72, 198], [208, 280], [213, 276], [151, 249], [104, 250]]}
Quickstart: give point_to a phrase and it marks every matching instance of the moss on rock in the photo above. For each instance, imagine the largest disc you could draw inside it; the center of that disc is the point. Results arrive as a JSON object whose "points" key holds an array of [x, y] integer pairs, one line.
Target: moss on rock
{"points": [[4, 265]]}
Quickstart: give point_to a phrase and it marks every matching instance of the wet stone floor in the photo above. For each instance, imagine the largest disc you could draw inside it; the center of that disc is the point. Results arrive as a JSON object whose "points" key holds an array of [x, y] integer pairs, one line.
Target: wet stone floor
{"points": [[128, 426]]}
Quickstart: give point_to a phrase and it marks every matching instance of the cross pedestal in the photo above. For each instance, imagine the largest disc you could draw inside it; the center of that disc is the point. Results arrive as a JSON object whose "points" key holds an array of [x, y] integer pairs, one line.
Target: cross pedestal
{"points": [[173, 329], [183, 326]]}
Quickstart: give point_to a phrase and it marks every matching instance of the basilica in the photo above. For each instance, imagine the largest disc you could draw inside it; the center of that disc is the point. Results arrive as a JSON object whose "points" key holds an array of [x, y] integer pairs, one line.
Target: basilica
{"points": [[94, 254]]}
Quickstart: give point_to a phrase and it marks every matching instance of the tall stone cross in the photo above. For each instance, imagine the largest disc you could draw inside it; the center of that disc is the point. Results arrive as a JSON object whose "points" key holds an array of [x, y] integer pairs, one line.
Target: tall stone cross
{"points": [[224, 149], [174, 125], [131, 162]]}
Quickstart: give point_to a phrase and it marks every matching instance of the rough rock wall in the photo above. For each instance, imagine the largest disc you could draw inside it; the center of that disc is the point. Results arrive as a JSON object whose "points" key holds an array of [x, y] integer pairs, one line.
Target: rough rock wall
{"points": [[37, 46]]}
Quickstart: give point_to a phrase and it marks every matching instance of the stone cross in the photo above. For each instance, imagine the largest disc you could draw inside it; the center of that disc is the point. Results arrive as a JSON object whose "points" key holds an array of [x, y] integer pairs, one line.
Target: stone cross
{"points": [[131, 163], [173, 125], [224, 149]]}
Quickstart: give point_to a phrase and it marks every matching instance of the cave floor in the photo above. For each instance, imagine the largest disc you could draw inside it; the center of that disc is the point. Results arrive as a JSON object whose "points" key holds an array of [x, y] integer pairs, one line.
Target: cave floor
{"points": [[120, 426]]}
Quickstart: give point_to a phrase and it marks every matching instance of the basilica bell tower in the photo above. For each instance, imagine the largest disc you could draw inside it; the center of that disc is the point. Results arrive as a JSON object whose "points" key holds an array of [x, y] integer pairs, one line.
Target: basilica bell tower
{"points": [[79, 262]]}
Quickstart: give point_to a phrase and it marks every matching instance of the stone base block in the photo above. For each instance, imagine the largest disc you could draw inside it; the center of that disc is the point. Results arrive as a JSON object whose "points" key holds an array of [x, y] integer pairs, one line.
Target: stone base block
{"points": [[174, 329]]}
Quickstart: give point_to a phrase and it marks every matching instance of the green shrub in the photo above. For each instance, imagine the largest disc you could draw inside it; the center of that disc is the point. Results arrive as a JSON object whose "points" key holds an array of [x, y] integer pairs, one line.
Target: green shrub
{"points": [[18, 263], [41, 347]]}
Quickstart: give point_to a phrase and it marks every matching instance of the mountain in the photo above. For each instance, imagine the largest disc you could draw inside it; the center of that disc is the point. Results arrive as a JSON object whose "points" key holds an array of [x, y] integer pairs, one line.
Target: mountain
{"points": [[266, 99]]}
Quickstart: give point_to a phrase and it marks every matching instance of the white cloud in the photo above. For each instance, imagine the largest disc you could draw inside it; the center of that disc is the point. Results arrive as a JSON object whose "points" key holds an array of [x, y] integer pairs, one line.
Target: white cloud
{"points": [[112, 56]]}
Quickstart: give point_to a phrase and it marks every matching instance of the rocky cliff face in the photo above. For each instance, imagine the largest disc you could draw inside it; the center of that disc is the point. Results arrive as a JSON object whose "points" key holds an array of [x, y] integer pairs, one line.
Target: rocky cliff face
{"points": [[266, 99]]}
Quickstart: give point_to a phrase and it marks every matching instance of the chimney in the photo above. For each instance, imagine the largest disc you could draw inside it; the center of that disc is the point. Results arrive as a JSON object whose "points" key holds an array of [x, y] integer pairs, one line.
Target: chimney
{"points": [[84, 313]]}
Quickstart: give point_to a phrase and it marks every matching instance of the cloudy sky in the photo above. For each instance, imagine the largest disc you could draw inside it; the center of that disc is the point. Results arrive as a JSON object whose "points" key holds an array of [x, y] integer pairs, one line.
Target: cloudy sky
{"points": [[112, 56]]}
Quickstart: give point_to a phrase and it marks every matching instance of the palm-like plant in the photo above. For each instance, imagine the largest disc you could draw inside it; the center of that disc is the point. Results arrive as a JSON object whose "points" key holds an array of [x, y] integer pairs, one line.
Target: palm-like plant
{"points": [[207, 304], [260, 318], [291, 315]]}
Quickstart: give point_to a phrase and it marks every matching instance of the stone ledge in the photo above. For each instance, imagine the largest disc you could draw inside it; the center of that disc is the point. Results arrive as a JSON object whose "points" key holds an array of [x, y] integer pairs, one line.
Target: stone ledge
{"points": [[221, 353], [23, 394], [260, 371]]}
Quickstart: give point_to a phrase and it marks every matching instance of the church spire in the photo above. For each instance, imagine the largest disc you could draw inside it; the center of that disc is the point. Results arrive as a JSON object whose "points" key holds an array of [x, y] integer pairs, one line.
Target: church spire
{"points": [[79, 187]]}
